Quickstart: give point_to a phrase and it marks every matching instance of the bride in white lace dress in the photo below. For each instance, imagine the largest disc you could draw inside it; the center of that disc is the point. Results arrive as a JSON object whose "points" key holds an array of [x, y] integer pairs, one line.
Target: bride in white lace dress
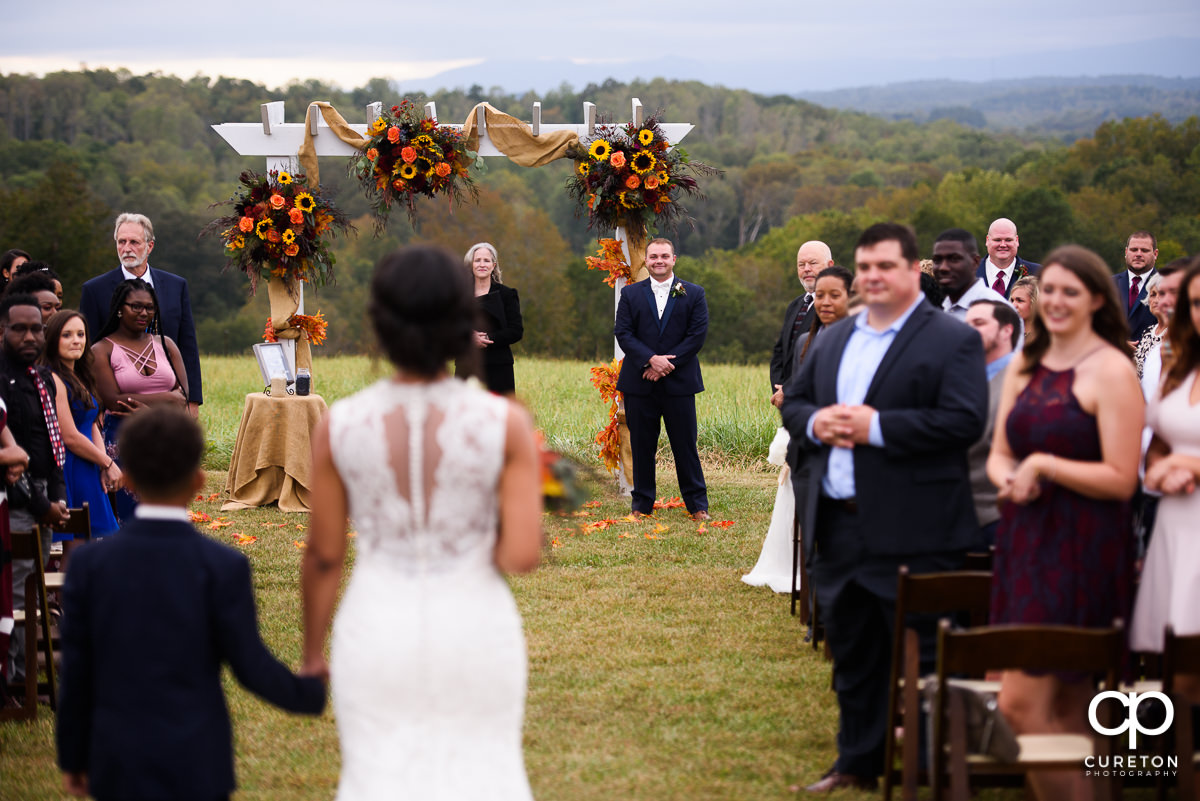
{"points": [[441, 480]]}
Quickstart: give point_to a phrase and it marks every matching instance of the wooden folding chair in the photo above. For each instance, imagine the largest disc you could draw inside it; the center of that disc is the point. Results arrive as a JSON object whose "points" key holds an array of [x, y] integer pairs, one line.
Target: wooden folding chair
{"points": [[965, 592], [27, 624], [28, 545], [78, 525], [973, 652], [1181, 654]]}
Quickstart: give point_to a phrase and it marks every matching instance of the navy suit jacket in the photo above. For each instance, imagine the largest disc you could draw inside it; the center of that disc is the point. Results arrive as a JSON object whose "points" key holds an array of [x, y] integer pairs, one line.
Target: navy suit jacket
{"points": [[149, 617], [1139, 318], [641, 334], [914, 494], [1031, 268], [175, 315]]}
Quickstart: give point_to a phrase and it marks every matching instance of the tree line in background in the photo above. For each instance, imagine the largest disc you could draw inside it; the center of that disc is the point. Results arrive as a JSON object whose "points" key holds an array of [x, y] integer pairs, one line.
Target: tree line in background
{"points": [[76, 148]]}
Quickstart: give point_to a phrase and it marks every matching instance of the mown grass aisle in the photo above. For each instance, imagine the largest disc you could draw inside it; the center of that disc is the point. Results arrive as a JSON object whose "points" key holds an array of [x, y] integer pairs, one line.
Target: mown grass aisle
{"points": [[654, 672]]}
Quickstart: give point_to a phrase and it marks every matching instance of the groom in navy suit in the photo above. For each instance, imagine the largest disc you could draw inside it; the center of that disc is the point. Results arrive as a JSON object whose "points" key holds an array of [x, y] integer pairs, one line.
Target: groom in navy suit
{"points": [[1141, 254], [884, 409], [134, 235], [661, 324]]}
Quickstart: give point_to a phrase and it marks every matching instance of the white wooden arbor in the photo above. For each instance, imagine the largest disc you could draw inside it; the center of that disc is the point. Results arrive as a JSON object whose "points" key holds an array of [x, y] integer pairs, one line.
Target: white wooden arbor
{"points": [[279, 142]]}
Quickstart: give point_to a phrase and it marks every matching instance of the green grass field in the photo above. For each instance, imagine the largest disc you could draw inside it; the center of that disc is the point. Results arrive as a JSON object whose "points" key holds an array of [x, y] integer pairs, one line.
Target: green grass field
{"points": [[654, 672]]}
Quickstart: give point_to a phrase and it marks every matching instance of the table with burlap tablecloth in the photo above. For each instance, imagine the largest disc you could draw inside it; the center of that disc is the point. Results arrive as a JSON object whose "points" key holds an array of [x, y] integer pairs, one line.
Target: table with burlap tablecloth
{"points": [[271, 459]]}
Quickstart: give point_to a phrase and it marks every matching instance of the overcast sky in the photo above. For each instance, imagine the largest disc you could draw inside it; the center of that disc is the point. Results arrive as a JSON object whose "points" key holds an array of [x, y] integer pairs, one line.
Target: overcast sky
{"points": [[349, 43]]}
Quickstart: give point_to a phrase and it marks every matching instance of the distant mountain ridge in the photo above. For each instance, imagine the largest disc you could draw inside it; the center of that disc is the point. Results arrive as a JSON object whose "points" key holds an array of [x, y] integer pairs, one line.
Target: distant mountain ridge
{"points": [[1053, 105]]}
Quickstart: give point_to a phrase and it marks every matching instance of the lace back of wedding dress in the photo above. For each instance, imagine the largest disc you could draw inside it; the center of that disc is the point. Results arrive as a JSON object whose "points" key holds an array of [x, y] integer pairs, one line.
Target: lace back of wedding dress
{"points": [[421, 464]]}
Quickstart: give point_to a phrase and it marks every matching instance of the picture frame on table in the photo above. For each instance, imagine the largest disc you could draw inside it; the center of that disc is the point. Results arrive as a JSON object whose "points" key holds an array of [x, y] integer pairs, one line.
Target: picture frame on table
{"points": [[273, 362]]}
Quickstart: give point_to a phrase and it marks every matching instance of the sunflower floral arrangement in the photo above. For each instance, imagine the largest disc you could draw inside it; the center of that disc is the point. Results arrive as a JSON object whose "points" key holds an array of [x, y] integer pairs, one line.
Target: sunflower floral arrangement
{"points": [[630, 177], [280, 228], [408, 155]]}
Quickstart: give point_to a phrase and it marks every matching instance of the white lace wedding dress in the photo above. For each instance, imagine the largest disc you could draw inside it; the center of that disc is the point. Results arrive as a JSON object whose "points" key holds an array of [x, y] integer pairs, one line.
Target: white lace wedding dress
{"points": [[428, 661]]}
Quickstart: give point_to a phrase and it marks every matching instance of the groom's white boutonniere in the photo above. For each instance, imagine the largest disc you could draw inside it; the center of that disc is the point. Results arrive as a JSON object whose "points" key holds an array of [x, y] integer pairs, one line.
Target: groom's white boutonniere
{"points": [[678, 291]]}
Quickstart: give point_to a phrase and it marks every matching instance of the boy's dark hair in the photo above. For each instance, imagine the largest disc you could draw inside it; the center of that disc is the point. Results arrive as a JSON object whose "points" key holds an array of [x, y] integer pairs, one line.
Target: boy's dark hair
{"points": [[28, 283], [161, 448], [890, 231]]}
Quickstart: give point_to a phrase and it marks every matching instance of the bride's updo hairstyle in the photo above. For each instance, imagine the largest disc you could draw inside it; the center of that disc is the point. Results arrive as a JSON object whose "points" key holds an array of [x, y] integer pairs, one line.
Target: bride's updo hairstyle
{"points": [[423, 310]]}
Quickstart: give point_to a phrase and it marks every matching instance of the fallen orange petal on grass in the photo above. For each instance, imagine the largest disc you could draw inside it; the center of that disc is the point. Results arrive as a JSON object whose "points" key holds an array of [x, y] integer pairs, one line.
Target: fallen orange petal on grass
{"points": [[199, 517], [701, 530], [214, 496], [216, 524], [624, 536], [661, 529], [244, 539], [669, 503], [299, 527], [721, 523], [591, 505], [650, 536], [299, 544], [351, 533], [555, 543]]}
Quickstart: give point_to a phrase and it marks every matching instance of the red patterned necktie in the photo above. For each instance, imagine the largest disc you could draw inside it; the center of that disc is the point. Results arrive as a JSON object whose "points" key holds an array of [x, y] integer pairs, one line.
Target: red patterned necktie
{"points": [[998, 285], [1134, 290], [56, 440]]}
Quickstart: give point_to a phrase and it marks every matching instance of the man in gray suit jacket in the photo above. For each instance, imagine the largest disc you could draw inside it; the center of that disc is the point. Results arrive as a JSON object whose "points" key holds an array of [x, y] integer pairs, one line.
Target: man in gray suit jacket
{"points": [[999, 328]]}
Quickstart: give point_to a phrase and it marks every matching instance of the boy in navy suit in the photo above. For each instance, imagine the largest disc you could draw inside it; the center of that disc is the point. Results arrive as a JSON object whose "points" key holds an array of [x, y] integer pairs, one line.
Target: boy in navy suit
{"points": [[149, 616]]}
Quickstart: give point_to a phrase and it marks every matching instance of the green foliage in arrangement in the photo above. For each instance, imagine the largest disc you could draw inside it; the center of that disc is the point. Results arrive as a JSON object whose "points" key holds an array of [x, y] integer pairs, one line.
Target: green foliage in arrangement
{"points": [[77, 148]]}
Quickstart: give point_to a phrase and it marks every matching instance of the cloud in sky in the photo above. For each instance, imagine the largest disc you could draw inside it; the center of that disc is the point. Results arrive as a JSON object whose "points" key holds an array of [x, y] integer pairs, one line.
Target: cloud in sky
{"points": [[274, 42]]}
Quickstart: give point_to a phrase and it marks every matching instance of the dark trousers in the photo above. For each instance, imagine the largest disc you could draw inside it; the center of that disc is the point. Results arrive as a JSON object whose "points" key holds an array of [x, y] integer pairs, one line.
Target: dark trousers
{"points": [[643, 414], [856, 593]]}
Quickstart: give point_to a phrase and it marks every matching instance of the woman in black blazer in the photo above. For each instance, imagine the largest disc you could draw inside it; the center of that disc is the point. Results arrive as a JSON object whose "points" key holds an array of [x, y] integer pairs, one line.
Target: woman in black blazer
{"points": [[500, 316]]}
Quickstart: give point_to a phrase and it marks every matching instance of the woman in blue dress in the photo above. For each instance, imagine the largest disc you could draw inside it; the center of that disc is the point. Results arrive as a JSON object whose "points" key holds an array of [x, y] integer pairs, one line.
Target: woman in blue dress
{"points": [[89, 471]]}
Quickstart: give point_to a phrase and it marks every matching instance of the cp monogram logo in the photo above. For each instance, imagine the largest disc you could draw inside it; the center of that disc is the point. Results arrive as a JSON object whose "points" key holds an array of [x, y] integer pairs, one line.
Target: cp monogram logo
{"points": [[1131, 723]]}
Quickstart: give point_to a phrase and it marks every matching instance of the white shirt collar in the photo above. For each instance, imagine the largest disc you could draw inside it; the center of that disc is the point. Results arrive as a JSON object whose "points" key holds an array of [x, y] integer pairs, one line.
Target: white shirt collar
{"points": [[144, 276], [661, 286], [151, 511]]}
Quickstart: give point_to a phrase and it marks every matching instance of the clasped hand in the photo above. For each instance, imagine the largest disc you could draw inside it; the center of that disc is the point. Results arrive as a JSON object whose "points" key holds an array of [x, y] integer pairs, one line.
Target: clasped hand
{"points": [[659, 367], [1024, 483], [482, 339], [844, 426], [1170, 478]]}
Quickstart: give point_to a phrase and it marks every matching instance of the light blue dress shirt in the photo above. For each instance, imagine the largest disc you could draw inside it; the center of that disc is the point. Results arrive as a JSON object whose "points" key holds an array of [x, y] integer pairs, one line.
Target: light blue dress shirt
{"points": [[860, 360], [998, 366]]}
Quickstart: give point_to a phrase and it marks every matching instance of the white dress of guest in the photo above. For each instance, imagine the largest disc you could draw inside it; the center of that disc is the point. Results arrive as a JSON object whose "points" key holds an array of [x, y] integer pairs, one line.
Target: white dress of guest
{"points": [[774, 566], [1170, 585], [428, 664]]}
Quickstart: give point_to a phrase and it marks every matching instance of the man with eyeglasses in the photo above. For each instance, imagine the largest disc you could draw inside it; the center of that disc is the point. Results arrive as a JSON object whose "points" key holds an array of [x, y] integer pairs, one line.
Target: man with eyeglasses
{"points": [[28, 394], [812, 257], [134, 235]]}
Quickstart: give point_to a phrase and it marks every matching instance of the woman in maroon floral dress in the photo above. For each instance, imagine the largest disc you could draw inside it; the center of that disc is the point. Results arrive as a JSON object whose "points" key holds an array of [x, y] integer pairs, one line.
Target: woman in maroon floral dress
{"points": [[1066, 464]]}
